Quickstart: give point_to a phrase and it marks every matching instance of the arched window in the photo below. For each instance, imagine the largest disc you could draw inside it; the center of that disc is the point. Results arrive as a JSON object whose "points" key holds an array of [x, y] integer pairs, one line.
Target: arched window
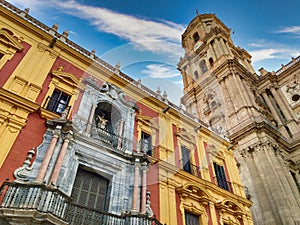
{"points": [[211, 61], [196, 75], [196, 36], [107, 117], [203, 66]]}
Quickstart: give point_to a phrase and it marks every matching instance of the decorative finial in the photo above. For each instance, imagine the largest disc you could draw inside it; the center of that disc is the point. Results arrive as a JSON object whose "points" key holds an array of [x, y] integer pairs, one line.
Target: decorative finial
{"points": [[66, 33], [139, 82], [55, 27], [118, 66], [158, 91], [165, 94], [197, 12], [60, 68]]}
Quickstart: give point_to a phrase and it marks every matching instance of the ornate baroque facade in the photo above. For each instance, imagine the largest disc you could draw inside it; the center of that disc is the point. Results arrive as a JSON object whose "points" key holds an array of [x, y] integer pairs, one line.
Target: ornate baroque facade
{"points": [[259, 113], [83, 143]]}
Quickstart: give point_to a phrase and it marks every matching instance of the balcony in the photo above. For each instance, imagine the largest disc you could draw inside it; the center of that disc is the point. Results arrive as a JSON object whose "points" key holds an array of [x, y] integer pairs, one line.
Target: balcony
{"points": [[77, 214], [110, 139], [33, 203], [190, 168], [26, 201], [224, 184]]}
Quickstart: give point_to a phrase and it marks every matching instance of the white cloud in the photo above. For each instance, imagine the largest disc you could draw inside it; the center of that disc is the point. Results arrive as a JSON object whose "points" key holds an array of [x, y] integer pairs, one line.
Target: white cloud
{"points": [[27, 3], [291, 29], [273, 53], [160, 71], [148, 35], [163, 36]]}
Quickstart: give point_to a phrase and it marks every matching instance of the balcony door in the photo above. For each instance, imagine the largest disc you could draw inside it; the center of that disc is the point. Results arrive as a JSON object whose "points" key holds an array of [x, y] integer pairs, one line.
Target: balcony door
{"points": [[191, 219], [186, 163], [90, 196]]}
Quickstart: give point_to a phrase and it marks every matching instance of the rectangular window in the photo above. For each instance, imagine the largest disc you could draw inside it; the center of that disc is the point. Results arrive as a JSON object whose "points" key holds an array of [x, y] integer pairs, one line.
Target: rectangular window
{"points": [[221, 177], [58, 102], [146, 143], [191, 219], [186, 163]]}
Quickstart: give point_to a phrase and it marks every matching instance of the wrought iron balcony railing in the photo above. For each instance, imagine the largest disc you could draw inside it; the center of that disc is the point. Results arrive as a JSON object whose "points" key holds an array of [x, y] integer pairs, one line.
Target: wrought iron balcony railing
{"points": [[78, 215], [147, 149], [49, 200], [224, 184], [190, 168]]}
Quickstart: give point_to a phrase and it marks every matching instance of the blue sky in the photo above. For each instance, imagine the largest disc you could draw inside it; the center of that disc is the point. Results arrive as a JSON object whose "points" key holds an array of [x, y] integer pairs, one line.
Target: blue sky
{"points": [[144, 36]]}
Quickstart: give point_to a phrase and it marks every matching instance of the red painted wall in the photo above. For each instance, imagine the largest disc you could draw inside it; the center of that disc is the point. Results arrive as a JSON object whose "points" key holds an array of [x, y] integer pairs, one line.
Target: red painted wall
{"points": [[178, 213], [30, 136], [11, 65], [196, 157], [176, 147], [152, 184], [68, 68], [207, 209], [146, 111]]}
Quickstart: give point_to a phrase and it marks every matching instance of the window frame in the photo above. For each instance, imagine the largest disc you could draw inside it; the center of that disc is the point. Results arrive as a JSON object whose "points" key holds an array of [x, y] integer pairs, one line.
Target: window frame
{"points": [[55, 104]]}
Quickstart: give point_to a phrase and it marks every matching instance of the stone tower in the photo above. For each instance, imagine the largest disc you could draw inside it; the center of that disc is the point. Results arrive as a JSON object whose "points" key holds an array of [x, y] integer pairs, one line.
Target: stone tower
{"points": [[259, 113]]}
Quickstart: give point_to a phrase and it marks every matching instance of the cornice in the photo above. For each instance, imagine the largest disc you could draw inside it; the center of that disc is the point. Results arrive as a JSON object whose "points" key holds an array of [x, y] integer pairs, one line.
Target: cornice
{"points": [[18, 100]]}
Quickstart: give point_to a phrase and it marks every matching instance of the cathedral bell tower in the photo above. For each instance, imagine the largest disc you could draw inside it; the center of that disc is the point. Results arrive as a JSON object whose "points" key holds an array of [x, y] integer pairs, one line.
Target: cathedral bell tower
{"points": [[223, 90]]}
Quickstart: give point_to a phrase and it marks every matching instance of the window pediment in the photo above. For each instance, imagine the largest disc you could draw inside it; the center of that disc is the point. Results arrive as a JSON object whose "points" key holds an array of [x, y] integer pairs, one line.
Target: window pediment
{"points": [[229, 207], [67, 78], [7, 39], [148, 121], [185, 136], [215, 152], [193, 191]]}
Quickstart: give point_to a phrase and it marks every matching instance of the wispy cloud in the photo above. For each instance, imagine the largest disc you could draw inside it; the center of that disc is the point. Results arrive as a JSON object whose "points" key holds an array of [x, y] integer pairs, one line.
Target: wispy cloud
{"points": [[155, 36], [160, 71], [163, 36], [273, 53], [291, 29]]}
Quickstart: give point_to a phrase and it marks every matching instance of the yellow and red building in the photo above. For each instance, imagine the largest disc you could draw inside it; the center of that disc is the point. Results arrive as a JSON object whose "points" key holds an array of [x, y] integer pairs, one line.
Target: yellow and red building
{"points": [[82, 142]]}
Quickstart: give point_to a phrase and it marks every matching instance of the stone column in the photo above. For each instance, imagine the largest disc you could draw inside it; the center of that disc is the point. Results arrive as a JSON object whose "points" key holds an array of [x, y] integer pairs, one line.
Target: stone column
{"points": [[60, 158], [281, 103], [263, 166], [144, 188], [90, 120], [286, 111], [48, 155], [229, 108], [261, 208], [273, 111], [136, 186]]}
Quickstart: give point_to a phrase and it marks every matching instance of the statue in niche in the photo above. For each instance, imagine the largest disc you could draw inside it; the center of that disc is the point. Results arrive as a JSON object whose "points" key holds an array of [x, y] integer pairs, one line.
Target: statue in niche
{"points": [[102, 122]]}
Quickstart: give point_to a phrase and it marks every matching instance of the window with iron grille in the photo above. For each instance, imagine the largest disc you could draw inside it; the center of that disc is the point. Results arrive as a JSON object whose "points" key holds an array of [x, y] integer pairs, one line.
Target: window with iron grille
{"points": [[186, 159], [221, 176], [57, 102], [191, 219], [146, 143]]}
